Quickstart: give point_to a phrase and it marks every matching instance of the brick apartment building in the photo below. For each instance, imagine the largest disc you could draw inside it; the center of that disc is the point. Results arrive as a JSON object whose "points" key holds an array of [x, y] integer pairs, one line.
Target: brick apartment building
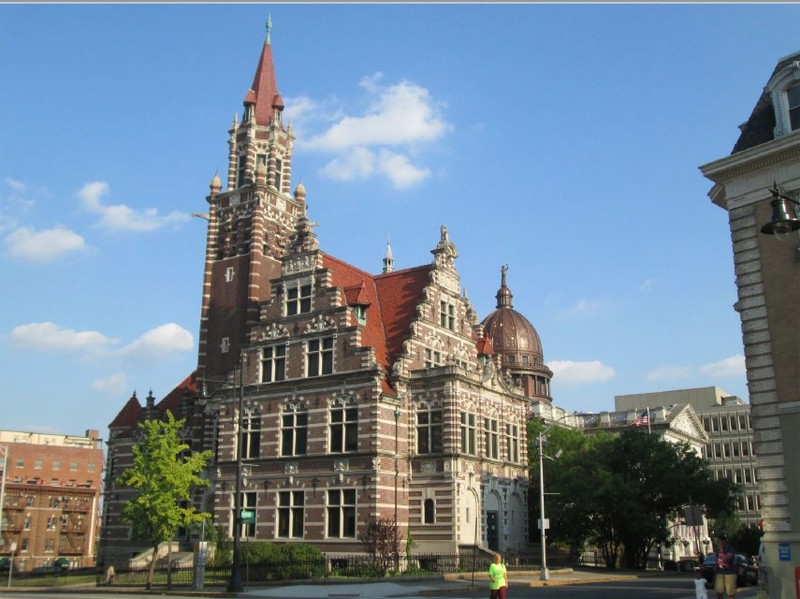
{"points": [[51, 498], [363, 395]]}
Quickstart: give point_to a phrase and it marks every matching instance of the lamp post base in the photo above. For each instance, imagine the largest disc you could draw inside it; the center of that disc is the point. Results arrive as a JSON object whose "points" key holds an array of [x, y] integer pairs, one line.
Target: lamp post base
{"points": [[544, 574]]}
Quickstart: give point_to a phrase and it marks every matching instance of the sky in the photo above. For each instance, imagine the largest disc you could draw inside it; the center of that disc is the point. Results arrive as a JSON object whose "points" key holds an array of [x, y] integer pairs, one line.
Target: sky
{"points": [[563, 140]]}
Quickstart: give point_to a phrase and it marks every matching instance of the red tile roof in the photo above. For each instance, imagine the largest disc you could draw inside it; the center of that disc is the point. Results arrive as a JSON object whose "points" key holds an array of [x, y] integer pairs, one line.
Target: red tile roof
{"points": [[393, 299], [264, 90], [130, 415], [357, 295]]}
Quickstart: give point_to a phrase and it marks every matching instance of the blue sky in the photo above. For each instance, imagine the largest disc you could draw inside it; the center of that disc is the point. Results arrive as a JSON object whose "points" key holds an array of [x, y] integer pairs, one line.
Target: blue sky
{"points": [[562, 140]]}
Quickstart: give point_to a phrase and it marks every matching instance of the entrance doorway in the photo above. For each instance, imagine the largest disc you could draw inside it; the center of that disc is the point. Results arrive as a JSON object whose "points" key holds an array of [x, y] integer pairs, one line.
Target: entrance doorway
{"points": [[492, 533]]}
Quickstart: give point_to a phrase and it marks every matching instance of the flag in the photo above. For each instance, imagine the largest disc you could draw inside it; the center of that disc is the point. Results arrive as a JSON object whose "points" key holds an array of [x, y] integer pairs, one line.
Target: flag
{"points": [[642, 419]]}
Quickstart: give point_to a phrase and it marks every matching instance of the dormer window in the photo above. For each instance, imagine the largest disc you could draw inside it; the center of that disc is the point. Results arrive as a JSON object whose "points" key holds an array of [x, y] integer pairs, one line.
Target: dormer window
{"points": [[361, 314], [793, 100]]}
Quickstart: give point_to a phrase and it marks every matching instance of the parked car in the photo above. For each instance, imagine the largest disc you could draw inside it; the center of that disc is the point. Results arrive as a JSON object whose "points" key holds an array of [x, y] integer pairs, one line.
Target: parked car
{"points": [[745, 572]]}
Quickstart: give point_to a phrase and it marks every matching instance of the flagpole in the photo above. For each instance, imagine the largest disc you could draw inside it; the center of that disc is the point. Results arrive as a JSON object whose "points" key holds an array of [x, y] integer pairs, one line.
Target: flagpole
{"points": [[648, 420]]}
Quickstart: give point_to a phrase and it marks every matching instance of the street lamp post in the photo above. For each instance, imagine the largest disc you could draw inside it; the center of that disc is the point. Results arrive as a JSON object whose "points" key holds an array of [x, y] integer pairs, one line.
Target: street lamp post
{"points": [[235, 582], [545, 573]]}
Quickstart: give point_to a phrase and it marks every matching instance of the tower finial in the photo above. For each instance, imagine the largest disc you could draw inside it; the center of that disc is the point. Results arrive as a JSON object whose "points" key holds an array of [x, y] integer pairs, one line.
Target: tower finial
{"points": [[269, 26]]}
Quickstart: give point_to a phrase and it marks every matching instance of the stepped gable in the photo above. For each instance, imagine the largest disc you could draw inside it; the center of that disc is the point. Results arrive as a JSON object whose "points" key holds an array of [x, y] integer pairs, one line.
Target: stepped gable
{"points": [[393, 298], [400, 292]]}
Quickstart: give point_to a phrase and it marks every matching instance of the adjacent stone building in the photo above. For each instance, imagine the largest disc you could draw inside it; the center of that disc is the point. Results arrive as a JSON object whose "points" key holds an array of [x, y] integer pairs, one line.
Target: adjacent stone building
{"points": [[359, 395], [51, 498], [757, 184]]}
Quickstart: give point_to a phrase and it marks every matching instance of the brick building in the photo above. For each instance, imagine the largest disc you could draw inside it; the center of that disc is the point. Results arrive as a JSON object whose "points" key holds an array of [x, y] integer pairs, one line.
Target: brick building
{"points": [[363, 395], [51, 498]]}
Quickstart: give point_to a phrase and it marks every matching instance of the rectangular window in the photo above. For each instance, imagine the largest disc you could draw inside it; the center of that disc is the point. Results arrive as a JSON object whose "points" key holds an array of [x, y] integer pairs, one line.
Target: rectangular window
{"points": [[290, 514], [342, 513], [433, 358], [294, 433], [248, 503], [736, 450], [447, 315], [37, 464], [743, 422], [429, 431], [468, 433], [90, 467], [298, 300], [273, 363], [20, 463], [717, 450], [319, 356], [51, 523], [251, 435], [23, 545], [26, 523], [242, 169], [73, 466], [225, 345], [56, 465], [746, 449], [230, 272], [706, 424], [344, 428], [512, 442], [278, 173], [724, 423], [490, 429], [726, 450], [49, 545]]}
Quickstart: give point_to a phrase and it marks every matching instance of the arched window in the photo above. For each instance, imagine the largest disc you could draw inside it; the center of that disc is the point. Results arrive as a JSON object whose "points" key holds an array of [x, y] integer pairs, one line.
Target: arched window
{"points": [[429, 511]]}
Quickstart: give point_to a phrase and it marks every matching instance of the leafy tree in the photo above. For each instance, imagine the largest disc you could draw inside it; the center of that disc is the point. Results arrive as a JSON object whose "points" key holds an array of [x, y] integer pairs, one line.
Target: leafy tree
{"points": [[747, 539], [164, 471], [620, 491], [381, 540]]}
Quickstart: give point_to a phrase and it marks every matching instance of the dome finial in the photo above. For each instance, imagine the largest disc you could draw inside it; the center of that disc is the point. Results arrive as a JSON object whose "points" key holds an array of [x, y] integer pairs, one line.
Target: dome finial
{"points": [[504, 293]]}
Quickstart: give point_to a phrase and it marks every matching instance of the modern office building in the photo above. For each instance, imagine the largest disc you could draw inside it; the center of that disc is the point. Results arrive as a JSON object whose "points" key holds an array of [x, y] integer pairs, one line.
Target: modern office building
{"points": [[347, 395], [729, 450], [50, 498], [757, 184], [676, 423]]}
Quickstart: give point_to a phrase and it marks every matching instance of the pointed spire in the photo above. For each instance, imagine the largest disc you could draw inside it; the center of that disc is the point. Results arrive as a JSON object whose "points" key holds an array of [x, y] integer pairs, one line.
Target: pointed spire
{"points": [[504, 294], [263, 92], [388, 258]]}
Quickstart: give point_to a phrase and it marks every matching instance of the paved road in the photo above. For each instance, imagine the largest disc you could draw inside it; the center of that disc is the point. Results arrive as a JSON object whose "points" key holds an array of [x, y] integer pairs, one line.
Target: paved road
{"points": [[659, 586]]}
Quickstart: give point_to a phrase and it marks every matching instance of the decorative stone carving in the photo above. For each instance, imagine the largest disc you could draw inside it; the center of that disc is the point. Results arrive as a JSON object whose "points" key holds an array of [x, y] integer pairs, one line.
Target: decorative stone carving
{"points": [[291, 468], [427, 467], [319, 324]]}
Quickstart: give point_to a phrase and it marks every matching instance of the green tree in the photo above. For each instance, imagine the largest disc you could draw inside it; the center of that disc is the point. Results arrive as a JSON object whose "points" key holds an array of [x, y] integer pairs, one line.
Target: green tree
{"points": [[164, 471], [620, 491]]}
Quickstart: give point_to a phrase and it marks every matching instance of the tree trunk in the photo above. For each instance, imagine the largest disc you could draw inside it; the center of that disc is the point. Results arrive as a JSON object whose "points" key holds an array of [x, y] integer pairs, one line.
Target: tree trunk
{"points": [[152, 572], [169, 566]]}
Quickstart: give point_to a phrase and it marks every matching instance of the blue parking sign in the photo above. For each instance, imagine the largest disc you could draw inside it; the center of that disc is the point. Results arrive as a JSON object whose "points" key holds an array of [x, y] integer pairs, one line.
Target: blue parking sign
{"points": [[784, 552]]}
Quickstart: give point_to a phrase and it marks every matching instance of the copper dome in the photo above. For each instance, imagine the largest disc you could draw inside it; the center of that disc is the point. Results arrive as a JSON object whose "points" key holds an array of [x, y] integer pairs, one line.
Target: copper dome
{"points": [[512, 336]]}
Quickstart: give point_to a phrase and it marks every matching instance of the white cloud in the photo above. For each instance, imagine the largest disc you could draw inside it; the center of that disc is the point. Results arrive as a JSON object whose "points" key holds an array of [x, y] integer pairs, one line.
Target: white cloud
{"points": [[402, 117], [120, 217], [15, 185], [568, 373], [43, 246], [583, 308], [47, 336], [729, 367], [159, 342], [113, 385], [362, 163], [666, 373], [400, 114]]}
